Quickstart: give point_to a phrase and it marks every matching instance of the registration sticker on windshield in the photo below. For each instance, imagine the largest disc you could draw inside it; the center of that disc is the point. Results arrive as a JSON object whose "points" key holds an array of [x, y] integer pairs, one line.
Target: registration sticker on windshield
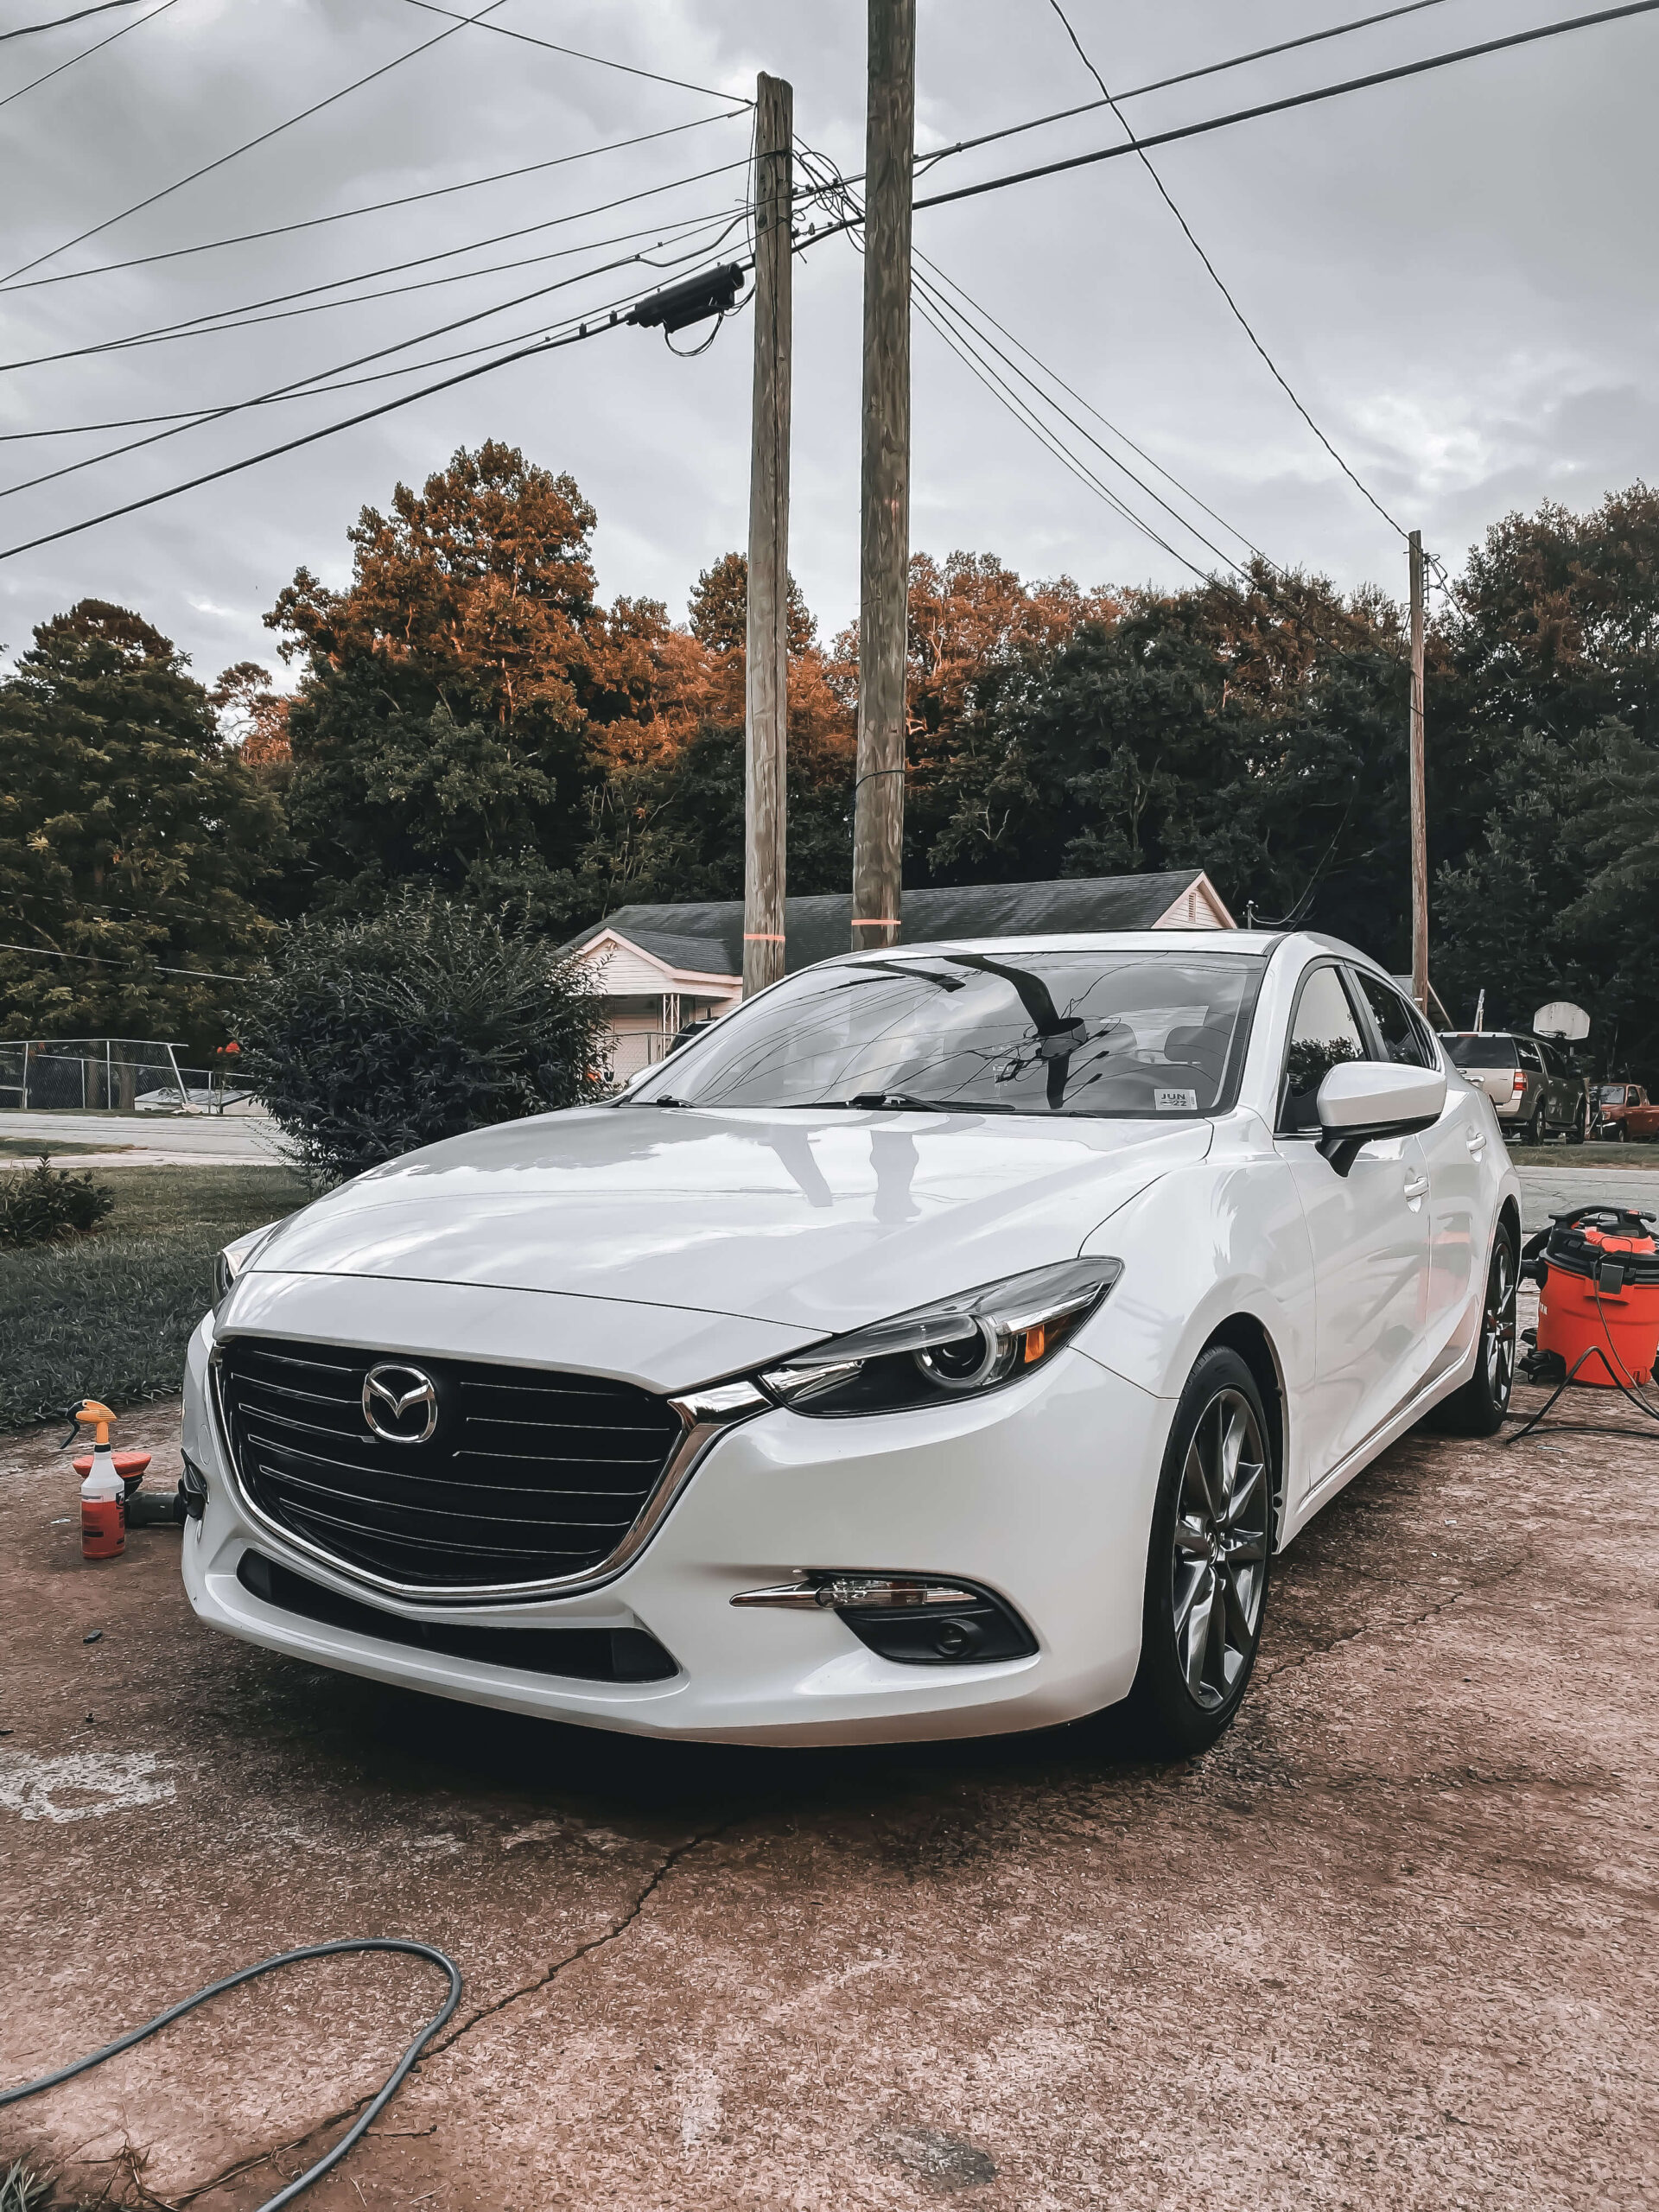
{"points": [[1176, 1102]]}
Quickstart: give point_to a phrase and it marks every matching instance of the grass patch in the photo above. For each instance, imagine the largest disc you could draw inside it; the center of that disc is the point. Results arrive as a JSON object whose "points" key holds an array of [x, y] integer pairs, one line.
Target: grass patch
{"points": [[109, 1316]]}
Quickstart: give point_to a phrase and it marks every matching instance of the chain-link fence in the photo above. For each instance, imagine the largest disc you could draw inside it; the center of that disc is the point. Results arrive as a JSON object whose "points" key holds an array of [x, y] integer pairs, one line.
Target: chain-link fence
{"points": [[115, 1074]]}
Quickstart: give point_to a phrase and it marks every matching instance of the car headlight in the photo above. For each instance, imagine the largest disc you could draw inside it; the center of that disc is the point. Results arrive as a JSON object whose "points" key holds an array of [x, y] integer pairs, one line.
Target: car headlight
{"points": [[229, 1264], [954, 1348]]}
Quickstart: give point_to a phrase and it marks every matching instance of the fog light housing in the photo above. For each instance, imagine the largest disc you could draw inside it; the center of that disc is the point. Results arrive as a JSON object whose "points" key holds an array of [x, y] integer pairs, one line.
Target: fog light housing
{"points": [[916, 1620]]}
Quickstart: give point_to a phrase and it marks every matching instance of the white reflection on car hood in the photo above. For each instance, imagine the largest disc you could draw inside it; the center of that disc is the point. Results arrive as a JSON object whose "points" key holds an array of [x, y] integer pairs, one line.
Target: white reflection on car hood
{"points": [[824, 1219]]}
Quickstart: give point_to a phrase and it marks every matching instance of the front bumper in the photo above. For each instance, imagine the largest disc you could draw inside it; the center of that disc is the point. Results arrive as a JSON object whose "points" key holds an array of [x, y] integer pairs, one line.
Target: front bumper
{"points": [[1041, 1493]]}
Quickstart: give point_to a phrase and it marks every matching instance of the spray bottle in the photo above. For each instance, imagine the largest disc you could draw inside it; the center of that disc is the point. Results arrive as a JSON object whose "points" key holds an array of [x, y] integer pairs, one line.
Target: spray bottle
{"points": [[103, 1494]]}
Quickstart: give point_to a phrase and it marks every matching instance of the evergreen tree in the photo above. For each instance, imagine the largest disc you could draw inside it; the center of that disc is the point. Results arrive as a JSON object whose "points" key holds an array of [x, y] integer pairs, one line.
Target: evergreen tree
{"points": [[129, 831]]}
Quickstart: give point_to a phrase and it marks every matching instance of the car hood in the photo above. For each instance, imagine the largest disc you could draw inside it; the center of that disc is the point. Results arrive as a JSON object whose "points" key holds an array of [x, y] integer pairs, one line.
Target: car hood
{"points": [[819, 1220]]}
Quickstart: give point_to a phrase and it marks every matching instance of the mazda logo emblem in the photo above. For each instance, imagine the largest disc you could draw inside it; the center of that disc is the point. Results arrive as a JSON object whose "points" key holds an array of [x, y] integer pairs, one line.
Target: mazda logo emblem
{"points": [[400, 1404]]}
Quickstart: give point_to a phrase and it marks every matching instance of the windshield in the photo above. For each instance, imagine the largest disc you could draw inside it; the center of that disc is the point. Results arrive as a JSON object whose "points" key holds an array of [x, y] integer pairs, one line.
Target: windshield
{"points": [[1610, 1094], [1038, 1033], [1480, 1052]]}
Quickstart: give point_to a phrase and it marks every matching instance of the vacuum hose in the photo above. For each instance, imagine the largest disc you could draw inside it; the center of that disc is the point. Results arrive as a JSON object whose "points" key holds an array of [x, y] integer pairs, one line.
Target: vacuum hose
{"points": [[378, 2104]]}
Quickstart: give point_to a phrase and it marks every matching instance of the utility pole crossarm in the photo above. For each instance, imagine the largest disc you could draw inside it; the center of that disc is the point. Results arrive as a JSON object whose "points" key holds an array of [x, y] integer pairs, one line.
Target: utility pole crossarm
{"points": [[766, 637]]}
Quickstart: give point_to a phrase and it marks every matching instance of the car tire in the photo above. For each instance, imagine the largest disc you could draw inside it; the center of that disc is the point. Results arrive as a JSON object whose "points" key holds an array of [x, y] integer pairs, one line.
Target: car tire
{"points": [[1208, 1563], [1478, 1408], [1579, 1128], [1536, 1125]]}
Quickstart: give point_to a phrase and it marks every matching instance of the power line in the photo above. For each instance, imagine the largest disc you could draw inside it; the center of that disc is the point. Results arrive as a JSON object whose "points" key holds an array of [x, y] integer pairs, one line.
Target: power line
{"points": [[1117, 429], [545, 345], [276, 131], [1280, 106], [576, 54], [86, 53], [967, 344], [1013, 369], [1216, 278], [374, 207], [298, 391], [850, 222], [1186, 77], [28, 30], [203, 325], [45, 953]]}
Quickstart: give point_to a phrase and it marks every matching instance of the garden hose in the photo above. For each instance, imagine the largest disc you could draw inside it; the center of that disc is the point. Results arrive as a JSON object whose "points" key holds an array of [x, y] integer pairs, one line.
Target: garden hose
{"points": [[383, 2096]]}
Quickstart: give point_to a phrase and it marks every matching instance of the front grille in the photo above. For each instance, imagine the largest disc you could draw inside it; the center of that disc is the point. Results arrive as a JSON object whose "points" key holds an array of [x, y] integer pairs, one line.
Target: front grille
{"points": [[531, 1476], [590, 1655]]}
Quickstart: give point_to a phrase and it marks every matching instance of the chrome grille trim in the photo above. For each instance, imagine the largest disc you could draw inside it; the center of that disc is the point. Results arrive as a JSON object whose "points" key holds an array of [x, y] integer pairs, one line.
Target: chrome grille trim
{"points": [[649, 1502]]}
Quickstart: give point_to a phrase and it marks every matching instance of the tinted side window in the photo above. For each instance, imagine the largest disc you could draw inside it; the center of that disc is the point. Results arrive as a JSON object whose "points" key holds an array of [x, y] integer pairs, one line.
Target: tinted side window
{"points": [[1528, 1053], [1324, 1031], [1394, 1020]]}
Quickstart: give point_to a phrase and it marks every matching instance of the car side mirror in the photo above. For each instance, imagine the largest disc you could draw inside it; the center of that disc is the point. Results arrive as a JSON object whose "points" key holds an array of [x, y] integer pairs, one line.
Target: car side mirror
{"points": [[1361, 1099]]}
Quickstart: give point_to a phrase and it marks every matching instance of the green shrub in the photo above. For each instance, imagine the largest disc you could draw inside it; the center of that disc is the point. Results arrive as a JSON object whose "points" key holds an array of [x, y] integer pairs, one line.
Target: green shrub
{"points": [[373, 1036], [48, 1205]]}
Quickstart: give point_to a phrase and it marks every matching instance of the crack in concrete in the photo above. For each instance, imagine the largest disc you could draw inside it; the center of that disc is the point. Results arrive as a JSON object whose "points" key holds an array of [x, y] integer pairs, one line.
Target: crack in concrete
{"points": [[1282, 1667], [619, 1928]]}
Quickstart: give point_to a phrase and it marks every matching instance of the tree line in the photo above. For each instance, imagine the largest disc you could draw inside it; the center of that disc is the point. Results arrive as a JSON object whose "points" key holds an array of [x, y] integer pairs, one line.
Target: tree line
{"points": [[470, 721]]}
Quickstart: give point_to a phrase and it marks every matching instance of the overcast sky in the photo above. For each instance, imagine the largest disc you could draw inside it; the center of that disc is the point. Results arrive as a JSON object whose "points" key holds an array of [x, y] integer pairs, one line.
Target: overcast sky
{"points": [[1455, 273]]}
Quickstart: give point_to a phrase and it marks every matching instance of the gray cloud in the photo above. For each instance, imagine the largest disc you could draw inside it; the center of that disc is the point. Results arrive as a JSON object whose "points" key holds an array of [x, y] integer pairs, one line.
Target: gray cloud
{"points": [[1454, 273]]}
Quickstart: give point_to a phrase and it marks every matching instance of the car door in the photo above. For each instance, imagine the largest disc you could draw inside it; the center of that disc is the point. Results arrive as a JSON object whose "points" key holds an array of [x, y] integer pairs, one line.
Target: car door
{"points": [[1455, 1153], [1532, 1067], [1368, 1230]]}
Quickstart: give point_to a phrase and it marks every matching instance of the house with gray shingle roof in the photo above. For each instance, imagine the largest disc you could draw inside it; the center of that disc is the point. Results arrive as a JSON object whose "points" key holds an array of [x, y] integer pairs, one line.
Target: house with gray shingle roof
{"points": [[660, 969]]}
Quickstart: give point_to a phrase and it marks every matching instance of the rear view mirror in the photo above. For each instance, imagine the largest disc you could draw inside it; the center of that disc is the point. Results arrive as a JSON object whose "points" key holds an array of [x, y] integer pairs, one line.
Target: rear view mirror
{"points": [[1362, 1099]]}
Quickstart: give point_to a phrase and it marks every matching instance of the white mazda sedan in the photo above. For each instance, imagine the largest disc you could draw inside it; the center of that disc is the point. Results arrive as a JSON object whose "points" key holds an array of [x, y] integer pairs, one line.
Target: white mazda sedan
{"points": [[943, 1342]]}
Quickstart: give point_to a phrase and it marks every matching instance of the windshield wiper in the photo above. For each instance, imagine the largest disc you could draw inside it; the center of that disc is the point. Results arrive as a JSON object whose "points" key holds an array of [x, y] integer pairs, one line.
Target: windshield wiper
{"points": [[661, 1100], [910, 1102]]}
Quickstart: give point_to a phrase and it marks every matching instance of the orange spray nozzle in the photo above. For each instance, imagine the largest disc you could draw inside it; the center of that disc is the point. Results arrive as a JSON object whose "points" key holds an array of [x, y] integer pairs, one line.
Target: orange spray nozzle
{"points": [[90, 1412]]}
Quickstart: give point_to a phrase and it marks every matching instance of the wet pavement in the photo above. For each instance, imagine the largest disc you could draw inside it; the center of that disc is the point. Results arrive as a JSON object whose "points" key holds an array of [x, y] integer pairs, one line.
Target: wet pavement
{"points": [[1392, 1943]]}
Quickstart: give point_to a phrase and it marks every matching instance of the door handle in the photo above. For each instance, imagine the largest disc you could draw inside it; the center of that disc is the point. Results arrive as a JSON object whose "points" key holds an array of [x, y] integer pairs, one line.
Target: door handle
{"points": [[1476, 1139], [1417, 1187]]}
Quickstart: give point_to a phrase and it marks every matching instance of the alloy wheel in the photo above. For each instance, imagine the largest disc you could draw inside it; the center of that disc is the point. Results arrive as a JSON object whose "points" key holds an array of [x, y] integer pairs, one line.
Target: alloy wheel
{"points": [[1497, 1335], [1220, 1548]]}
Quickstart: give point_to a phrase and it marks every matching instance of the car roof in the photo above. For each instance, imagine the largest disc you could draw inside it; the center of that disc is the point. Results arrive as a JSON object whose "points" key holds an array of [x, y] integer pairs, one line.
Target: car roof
{"points": [[1235, 943], [1258, 944]]}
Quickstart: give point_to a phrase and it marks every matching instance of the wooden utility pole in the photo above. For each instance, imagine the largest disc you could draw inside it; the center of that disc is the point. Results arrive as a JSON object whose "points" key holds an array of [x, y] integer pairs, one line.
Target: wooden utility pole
{"points": [[1419, 804], [766, 670], [884, 535]]}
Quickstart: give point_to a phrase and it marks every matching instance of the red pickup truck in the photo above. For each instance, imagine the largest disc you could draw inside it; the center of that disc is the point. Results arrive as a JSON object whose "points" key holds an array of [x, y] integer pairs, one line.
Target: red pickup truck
{"points": [[1622, 1111]]}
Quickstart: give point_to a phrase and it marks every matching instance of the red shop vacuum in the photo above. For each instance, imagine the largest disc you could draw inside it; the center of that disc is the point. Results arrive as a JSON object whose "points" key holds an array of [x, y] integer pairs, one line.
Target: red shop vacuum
{"points": [[1597, 1269]]}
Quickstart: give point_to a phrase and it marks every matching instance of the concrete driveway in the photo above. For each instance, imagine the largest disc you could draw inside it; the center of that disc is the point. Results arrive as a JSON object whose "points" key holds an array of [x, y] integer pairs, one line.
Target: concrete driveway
{"points": [[1392, 1944]]}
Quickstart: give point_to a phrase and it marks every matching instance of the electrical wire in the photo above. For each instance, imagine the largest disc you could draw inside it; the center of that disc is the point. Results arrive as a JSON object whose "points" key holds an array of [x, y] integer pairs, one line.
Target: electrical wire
{"points": [[299, 388], [208, 975], [627, 67], [58, 22], [310, 437], [946, 322], [86, 53], [1186, 77], [377, 2104], [851, 221], [1216, 278], [1140, 482], [1291, 100], [838, 189], [264, 136], [372, 207], [206, 324]]}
